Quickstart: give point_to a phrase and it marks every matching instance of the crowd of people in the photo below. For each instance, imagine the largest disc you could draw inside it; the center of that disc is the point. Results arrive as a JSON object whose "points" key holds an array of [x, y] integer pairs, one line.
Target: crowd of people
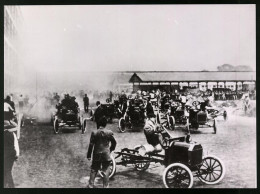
{"points": [[102, 138]]}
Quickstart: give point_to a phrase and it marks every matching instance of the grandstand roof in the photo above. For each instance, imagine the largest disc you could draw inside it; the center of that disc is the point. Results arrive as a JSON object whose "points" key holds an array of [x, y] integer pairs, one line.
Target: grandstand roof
{"points": [[183, 76]]}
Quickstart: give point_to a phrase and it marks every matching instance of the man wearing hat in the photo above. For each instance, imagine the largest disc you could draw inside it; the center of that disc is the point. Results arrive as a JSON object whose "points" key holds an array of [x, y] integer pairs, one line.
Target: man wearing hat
{"points": [[246, 102], [11, 151], [102, 143], [99, 113], [86, 103], [8, 109]]}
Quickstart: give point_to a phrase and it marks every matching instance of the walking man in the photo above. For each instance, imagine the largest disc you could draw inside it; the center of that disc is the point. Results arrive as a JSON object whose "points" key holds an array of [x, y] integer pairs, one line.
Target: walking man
{"points": [[99, 144], [99, 113]]}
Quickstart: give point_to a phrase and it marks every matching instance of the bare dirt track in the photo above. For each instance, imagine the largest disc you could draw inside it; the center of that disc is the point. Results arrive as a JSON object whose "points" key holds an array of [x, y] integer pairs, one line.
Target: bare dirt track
{"points": [[59, 161]]}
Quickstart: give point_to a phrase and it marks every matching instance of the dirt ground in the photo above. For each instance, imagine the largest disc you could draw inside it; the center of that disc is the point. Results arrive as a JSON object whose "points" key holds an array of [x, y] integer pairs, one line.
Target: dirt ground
{"points": [[59, 161]]}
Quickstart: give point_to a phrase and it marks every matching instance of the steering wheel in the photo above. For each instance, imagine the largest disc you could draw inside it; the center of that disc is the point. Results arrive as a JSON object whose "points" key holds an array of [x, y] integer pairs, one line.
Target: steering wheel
{"points": [[195, 103]]}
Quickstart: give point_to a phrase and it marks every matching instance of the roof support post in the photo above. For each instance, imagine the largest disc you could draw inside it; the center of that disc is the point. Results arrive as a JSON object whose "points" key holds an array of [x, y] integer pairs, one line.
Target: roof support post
{"points": [[236, 86], [225, 85], [217, 84], [206, 85]]}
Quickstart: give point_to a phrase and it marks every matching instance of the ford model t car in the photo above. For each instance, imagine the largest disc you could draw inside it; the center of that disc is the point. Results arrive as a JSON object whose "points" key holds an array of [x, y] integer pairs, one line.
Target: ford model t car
{"points": [[134, 115], [203, 116], [183, 159], [111, 110], [65, 117]]}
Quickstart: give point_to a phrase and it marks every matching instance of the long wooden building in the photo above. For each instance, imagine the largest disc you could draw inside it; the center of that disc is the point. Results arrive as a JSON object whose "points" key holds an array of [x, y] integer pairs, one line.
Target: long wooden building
{"points": [[146, 80]]}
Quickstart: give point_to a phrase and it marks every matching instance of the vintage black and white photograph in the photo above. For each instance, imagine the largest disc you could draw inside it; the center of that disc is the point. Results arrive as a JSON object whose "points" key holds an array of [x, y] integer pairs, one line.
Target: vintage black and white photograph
{"points": [[130, 96]]}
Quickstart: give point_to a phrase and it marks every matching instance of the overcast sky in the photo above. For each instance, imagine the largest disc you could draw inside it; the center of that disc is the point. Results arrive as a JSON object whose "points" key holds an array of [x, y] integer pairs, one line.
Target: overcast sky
{"points": [[139, 37]]}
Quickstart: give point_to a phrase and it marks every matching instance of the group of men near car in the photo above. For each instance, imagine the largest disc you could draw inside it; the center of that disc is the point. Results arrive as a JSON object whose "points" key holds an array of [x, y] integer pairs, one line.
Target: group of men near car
{"points": [[102, 141]]}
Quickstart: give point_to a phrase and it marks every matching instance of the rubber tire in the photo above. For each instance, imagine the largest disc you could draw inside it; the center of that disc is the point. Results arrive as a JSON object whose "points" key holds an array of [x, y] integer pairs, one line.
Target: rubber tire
{"points": [[122, 130], [181, 166], [80, 124], [56, 128], [84, 126], [223, 171], [172, 124], [92, 115], [225, 115], [113, 172], [215, 126]]}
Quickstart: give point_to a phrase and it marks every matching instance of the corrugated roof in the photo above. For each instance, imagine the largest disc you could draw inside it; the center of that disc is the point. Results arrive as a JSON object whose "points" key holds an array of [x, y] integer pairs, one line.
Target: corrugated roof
{"points": [[197, 76]]}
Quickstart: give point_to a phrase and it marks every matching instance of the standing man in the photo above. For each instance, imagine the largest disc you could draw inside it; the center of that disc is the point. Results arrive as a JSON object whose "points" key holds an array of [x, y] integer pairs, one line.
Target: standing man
{"points": [[86, 102], [8, 109], [99, 113], [100, 140], [11, 151]]}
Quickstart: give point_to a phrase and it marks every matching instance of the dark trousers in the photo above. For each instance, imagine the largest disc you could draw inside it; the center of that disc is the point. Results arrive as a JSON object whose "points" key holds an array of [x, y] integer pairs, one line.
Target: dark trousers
{"points": [[104, 167], [8, 177], [98, 125], [86, 107]]}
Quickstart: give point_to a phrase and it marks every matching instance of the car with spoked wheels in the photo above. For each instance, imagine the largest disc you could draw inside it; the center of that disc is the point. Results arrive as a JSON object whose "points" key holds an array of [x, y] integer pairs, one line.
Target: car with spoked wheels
{"points": [[183, 160], [66, 118], [134, 116]]}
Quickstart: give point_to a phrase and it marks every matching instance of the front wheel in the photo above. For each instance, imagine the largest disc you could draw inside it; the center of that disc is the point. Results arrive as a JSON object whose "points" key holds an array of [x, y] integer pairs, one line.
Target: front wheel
{"points": [[171, 123], [112, 168], [212, 170], [56, 127], [122, 125], [177, 175]]}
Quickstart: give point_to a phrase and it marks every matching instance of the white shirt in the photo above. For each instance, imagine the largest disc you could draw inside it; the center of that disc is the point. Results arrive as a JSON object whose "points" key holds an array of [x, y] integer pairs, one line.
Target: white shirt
{"points": [[183, 99], [7, 107]]}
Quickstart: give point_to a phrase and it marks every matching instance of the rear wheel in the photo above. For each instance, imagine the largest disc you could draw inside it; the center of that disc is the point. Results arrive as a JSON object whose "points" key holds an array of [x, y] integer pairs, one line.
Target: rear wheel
{"points": [[84, 125], [112, 168], [92, 115], [56, 127], [177, 175], [225, 115], [122, 125], [195, 125], [171, 123], [212, 170], [215, 126]]}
